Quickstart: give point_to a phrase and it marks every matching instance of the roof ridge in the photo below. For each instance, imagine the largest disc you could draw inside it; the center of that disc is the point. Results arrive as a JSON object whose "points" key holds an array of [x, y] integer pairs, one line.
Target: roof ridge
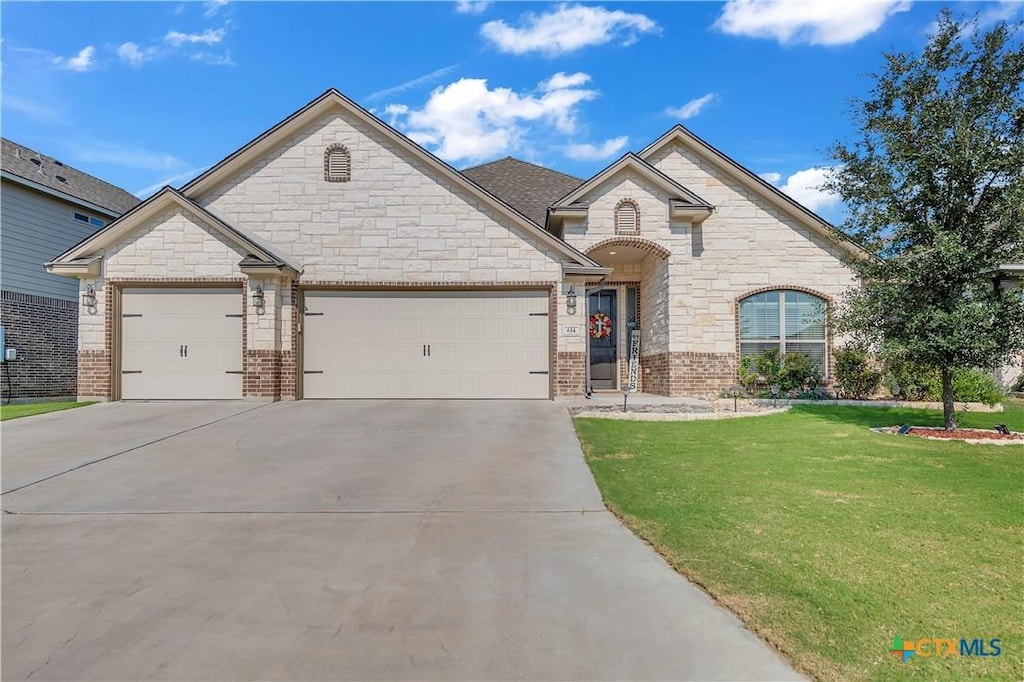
{"points": [[522, 161]]}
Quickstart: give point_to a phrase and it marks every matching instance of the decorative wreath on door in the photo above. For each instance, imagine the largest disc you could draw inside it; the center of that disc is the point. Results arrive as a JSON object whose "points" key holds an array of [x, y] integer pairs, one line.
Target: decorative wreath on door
{"points": [[600, 326]]}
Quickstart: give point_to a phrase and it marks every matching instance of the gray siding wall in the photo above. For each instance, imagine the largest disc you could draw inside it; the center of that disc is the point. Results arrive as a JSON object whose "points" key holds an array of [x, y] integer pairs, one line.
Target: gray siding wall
{"points": [[34, 229]]}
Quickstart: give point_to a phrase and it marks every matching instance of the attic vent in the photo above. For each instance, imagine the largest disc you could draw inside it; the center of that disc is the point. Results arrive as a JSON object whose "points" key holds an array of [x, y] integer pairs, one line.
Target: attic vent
{"points": [[59, 163], [627, 218], [37, 162], [337, 164], [62, 178]]}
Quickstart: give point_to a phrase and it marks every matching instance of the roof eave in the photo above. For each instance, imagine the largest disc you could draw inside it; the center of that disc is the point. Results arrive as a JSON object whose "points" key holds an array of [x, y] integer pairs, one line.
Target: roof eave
{"points": [[63, 196], [84, 267]]}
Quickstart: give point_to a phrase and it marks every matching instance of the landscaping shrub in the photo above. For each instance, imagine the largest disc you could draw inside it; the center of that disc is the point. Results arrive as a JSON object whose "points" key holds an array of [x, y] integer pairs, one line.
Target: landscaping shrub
{"points": [[854, 371], [922, 383], [798, 372], [763, 368], [911, 380], [1018, 386]]}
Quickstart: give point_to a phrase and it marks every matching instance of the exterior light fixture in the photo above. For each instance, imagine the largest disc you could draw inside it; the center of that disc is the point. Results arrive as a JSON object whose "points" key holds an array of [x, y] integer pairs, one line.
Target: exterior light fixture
{"points": [[570, 301], [258, 299], [89, 297], [735, 392], [612, 253], [775, 390]]}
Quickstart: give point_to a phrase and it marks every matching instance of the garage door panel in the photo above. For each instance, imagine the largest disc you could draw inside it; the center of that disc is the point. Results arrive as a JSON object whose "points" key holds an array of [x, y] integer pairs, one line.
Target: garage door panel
{"points": [[181, 344], [482, 344]]}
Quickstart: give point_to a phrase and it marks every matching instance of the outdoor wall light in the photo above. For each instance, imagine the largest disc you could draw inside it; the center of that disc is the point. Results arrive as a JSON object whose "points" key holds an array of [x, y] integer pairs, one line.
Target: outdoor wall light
{"points": [[570, 301], [258, 299], [89, 297]]}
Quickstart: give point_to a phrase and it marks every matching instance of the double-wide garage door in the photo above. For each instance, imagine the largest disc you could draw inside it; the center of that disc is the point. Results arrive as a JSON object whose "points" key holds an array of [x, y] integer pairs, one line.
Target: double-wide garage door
{"points": [[430, 344], [181, 344]]}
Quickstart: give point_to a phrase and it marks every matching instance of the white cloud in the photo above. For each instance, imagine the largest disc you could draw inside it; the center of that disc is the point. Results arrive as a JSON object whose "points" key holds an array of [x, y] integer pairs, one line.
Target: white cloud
{"points": [[134, 56], [213, 59], [90, 151], [176, 178], [691, 108], [85, 60], [566, 29], [212, 7], [817, 22], [471, 6], [467, 120], [590, 152], [805, 186], [412, 83], [210, 36]]}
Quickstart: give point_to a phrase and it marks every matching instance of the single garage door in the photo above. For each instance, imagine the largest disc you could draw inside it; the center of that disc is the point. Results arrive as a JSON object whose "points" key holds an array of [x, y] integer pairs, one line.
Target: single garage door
{"points": [[430, 344], [181, 344]]}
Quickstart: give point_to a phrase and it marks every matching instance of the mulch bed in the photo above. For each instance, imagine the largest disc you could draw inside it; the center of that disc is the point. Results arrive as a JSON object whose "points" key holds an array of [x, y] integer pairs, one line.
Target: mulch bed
{"points": [[964, 435]]}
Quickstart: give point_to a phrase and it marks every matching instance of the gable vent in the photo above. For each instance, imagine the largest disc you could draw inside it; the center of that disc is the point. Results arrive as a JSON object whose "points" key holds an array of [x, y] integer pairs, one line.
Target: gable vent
{"points": [[627, 218], [337, 164]]}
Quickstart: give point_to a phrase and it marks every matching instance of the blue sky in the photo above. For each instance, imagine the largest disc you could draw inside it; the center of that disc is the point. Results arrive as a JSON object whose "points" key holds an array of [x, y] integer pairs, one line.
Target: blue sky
{"points": [[143, 94]]}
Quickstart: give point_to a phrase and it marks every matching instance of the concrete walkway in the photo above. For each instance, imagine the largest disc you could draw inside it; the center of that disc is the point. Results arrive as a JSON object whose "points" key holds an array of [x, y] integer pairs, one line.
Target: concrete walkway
{"points": [[333, 540]]}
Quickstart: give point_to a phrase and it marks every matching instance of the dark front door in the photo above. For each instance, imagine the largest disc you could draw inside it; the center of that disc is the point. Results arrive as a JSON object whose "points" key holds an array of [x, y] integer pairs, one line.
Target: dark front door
{"points": [[604, 359]]}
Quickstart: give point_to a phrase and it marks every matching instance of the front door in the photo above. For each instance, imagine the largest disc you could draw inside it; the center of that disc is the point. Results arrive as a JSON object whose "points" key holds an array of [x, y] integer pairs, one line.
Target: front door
{"points": [[604, 358]]}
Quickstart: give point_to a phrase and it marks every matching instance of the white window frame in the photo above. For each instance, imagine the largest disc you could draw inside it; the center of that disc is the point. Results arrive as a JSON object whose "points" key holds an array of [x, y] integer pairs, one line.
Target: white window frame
{"points": [[782, 340]]}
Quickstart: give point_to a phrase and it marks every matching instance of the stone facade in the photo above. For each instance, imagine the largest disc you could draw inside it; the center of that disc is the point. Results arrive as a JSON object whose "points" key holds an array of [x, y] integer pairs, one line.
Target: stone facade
{"points": [[44, 332], [399, 222]]}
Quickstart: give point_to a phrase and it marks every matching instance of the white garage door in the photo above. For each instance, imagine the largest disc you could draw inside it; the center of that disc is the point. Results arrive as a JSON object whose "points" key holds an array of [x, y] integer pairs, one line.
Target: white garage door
{"points": [[431, 344], [181, 344]]}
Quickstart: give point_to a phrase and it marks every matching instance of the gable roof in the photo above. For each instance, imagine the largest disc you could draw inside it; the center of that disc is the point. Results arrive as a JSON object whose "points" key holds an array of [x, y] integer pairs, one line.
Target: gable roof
{"points": [[151, 208], [20, 163], [761, 187], [525, 186], [631, 161], [334, 100]]}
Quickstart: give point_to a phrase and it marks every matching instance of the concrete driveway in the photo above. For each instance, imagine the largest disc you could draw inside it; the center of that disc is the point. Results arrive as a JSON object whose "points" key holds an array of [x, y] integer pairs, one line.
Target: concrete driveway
{"points": [[333, 540]]}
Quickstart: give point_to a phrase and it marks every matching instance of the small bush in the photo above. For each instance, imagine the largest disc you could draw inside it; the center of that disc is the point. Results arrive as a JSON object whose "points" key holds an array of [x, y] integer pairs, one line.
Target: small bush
{"points": [[975, 385], [1018, 386], [855, 373], [917, 382], [908, 380], [798, 372]]}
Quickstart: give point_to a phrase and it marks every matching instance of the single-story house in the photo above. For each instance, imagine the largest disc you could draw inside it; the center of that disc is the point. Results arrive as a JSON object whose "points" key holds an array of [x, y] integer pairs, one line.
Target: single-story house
{"points": [[332, 257], [46, 206]]}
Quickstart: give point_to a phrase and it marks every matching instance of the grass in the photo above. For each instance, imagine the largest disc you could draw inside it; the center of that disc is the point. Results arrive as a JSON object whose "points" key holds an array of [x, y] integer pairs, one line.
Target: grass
{"points": [[828, 539], [30, 409]]}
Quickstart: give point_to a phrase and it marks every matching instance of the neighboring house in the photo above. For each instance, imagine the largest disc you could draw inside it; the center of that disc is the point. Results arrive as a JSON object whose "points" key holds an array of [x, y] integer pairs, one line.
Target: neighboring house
{"points": [[45, 207], [332, 257], [1011, 279]]}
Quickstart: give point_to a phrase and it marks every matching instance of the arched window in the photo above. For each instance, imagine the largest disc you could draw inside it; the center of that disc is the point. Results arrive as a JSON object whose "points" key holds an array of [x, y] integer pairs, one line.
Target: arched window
{"points": [[337, 164], [627, 218], [792, 321]]}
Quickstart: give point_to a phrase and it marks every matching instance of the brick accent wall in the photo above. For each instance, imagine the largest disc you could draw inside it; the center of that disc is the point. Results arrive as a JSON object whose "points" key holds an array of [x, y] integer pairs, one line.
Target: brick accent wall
{"points": [[701, 375], [262, 377], [94, 374], [44, 331], [570, 374]]}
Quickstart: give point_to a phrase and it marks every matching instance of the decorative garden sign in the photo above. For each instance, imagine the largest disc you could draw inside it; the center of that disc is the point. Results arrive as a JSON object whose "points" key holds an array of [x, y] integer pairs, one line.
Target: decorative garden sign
{"points": [[633, 376]]}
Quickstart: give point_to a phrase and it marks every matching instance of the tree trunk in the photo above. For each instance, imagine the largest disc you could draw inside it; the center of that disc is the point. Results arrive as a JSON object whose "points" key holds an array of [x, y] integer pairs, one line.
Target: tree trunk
{"points": [[948, 415]]}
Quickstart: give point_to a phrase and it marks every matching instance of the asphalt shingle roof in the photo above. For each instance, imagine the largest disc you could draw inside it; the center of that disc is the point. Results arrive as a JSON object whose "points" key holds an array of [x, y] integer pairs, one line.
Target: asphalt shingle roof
{"points": [[527, 187], [19, 160]]}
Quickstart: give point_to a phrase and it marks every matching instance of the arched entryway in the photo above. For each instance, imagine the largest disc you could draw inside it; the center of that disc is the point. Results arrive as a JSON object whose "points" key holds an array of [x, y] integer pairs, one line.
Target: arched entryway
{"points": [[623, 305]]}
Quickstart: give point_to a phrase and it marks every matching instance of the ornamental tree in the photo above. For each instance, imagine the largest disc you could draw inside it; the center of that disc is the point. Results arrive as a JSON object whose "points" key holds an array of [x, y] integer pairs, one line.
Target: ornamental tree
{"points": [[934, 183]]}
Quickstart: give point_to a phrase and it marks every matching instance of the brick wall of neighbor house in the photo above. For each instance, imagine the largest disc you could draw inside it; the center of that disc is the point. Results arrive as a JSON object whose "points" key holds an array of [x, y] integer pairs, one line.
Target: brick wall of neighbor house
{"points": [[43, 331]]}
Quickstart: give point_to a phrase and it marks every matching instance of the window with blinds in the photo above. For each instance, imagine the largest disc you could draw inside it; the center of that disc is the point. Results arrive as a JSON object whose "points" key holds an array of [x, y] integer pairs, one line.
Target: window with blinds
{"points": [[627, 218], [792, 321], [337, 164]]}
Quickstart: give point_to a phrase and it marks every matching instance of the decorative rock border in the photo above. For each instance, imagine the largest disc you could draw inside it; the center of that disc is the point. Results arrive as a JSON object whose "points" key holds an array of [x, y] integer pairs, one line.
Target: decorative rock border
{"points": [[913, 404], [674, 416]]}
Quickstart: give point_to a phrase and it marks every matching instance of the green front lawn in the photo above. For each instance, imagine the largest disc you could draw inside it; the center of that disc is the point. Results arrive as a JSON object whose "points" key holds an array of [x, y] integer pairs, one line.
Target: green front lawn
{"points": [[828, 539], [29, 409]]}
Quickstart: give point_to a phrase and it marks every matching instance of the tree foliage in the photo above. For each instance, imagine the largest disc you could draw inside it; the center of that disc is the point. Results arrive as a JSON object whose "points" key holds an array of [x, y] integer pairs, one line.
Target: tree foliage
{"points": [[934, 183]]}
